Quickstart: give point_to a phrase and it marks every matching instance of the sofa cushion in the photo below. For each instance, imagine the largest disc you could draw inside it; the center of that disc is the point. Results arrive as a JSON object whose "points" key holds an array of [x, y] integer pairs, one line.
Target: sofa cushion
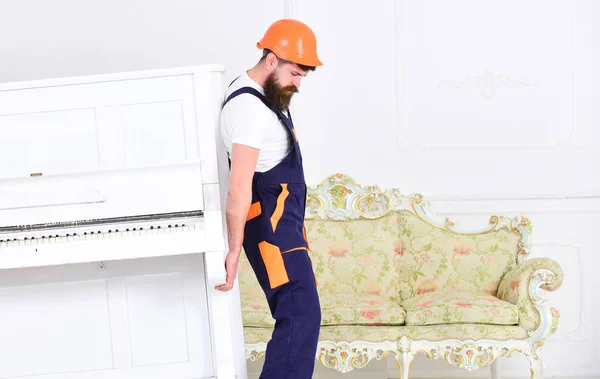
{"points": [[360, 309], [335, 310], [459, 307], [366, 307], [433, 259]]}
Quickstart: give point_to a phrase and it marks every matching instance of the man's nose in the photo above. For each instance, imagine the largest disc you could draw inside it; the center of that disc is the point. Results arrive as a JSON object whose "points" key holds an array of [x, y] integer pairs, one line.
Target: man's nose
{"points": [[296, 82]]}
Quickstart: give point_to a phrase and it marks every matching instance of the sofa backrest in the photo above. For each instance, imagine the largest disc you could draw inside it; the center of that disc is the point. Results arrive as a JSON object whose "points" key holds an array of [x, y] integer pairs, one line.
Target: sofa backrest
{"points": [[399, 256], [434, 259], [365, 240], [355, 256]]}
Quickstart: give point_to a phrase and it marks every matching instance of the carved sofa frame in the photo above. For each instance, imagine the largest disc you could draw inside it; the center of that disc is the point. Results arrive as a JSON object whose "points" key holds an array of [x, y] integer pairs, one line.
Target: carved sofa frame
{"points": [[345, 347]]}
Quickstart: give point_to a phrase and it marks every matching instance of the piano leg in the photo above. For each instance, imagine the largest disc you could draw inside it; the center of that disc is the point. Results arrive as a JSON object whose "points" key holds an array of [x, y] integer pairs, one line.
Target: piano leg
{"points": [[221, 317]]}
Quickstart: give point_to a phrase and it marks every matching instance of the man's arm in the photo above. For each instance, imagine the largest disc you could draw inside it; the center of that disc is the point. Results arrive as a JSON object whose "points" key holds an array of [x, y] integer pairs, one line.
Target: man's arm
{"points": [[239, 197]]}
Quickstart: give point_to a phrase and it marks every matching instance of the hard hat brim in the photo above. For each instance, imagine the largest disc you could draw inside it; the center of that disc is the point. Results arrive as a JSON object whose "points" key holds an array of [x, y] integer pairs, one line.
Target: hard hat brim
{"points": [[315, 62]]}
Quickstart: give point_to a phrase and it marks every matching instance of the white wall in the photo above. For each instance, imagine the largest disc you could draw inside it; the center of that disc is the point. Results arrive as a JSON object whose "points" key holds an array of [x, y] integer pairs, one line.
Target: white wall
{"points": [[465, 100], [486, 107]]}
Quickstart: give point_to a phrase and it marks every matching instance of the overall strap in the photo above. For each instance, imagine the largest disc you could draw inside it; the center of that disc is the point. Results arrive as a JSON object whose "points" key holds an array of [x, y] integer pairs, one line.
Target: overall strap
{"points": [[250, 90], [286, 120], [241, 91], [233, 81]]}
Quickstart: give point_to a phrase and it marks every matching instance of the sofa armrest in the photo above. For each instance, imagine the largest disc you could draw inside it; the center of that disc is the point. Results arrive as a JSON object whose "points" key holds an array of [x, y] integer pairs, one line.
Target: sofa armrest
{"points": [[524, 286]]}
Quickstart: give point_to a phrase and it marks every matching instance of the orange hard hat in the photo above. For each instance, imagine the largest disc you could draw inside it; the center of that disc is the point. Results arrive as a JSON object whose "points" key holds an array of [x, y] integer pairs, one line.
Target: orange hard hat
{"points": [[293, 41]]}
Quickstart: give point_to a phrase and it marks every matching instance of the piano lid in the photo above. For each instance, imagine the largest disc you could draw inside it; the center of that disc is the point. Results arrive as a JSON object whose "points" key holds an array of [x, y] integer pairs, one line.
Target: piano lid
{"points": [[103, 196], [107, 148]]}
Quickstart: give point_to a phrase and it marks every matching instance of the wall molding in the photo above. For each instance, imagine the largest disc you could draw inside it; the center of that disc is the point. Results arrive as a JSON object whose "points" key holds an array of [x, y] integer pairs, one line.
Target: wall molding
{"points": [[290, 8], [575, 137], [488, 83], [455, 205]]}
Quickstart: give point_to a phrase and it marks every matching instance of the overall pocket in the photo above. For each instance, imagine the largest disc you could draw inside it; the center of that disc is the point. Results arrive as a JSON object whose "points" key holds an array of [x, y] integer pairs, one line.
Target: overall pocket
{"points": [[273, 260]]}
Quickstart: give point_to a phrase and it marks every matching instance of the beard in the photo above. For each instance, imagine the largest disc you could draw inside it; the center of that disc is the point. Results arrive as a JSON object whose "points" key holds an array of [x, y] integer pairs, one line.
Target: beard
{"points": [[277, 95]]}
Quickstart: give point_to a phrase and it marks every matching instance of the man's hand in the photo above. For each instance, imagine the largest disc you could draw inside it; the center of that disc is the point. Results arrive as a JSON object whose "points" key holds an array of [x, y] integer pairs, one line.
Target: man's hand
{"points": [[231, 266]]}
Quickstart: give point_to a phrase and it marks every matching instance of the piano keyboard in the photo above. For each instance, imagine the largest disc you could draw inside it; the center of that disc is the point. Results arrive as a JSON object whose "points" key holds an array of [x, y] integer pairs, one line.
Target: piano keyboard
{"points": [[97, 240], [81, 230], [94, 234]]}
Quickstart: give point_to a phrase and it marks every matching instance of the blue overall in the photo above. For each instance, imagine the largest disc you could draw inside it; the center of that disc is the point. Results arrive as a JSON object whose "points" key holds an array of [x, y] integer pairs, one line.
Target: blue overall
{"points": [[276, 246]]}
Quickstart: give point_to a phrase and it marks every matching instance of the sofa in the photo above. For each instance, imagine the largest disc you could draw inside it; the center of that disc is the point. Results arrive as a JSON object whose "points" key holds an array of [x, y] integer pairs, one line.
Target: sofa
{"points": [[393, 279]]}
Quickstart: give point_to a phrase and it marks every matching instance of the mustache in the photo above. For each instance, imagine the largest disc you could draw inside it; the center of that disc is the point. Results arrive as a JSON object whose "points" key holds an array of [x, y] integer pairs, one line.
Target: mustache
{"points": [[290, 89]]}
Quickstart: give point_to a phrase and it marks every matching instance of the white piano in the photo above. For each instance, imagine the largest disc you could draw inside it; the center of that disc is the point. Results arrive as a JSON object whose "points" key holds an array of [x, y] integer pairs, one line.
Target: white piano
{"points": [[112, 228]]}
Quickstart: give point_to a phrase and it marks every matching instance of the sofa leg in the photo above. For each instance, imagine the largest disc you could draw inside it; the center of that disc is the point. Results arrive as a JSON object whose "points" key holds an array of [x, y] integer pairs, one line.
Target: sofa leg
{"points": [[403, 362], [494, 369], [537, 368]]}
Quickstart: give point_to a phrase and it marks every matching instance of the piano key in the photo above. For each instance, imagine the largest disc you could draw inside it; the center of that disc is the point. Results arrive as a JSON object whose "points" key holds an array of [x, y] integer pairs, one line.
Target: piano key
{"points": [[50, 251]]}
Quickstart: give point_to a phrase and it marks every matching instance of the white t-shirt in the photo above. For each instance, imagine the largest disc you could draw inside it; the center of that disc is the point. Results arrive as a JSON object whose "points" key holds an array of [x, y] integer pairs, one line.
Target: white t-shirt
{"points": [[248, 121]]}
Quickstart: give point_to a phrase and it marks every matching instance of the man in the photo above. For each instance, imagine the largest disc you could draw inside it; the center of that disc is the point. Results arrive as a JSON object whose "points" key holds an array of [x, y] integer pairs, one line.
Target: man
{"points": [[267, 195]]}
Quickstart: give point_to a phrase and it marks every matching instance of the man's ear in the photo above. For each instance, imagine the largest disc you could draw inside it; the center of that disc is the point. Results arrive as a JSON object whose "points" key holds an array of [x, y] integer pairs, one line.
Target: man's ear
{"points": [[272, 61]]}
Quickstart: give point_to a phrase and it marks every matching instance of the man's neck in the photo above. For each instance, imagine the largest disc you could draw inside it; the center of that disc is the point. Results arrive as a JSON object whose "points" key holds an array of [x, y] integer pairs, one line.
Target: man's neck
{"points": [[257, 75]]}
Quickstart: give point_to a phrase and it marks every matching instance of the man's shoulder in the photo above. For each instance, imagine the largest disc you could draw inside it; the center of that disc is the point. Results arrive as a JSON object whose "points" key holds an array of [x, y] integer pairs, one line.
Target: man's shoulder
{"points": [[246, 105], [245, 102]]}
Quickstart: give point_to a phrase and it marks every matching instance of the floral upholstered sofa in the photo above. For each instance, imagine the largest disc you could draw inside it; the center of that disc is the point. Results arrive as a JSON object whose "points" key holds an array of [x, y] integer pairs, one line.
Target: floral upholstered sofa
{"points": [[393, 279]]}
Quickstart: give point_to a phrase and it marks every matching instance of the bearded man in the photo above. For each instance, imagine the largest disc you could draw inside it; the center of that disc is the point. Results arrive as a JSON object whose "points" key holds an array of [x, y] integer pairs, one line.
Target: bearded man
{"points": [[267, 195]]}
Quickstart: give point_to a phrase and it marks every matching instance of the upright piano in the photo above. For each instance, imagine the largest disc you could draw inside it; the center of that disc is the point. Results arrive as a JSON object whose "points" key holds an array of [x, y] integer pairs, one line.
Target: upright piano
{"points": [[112, 233]]}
